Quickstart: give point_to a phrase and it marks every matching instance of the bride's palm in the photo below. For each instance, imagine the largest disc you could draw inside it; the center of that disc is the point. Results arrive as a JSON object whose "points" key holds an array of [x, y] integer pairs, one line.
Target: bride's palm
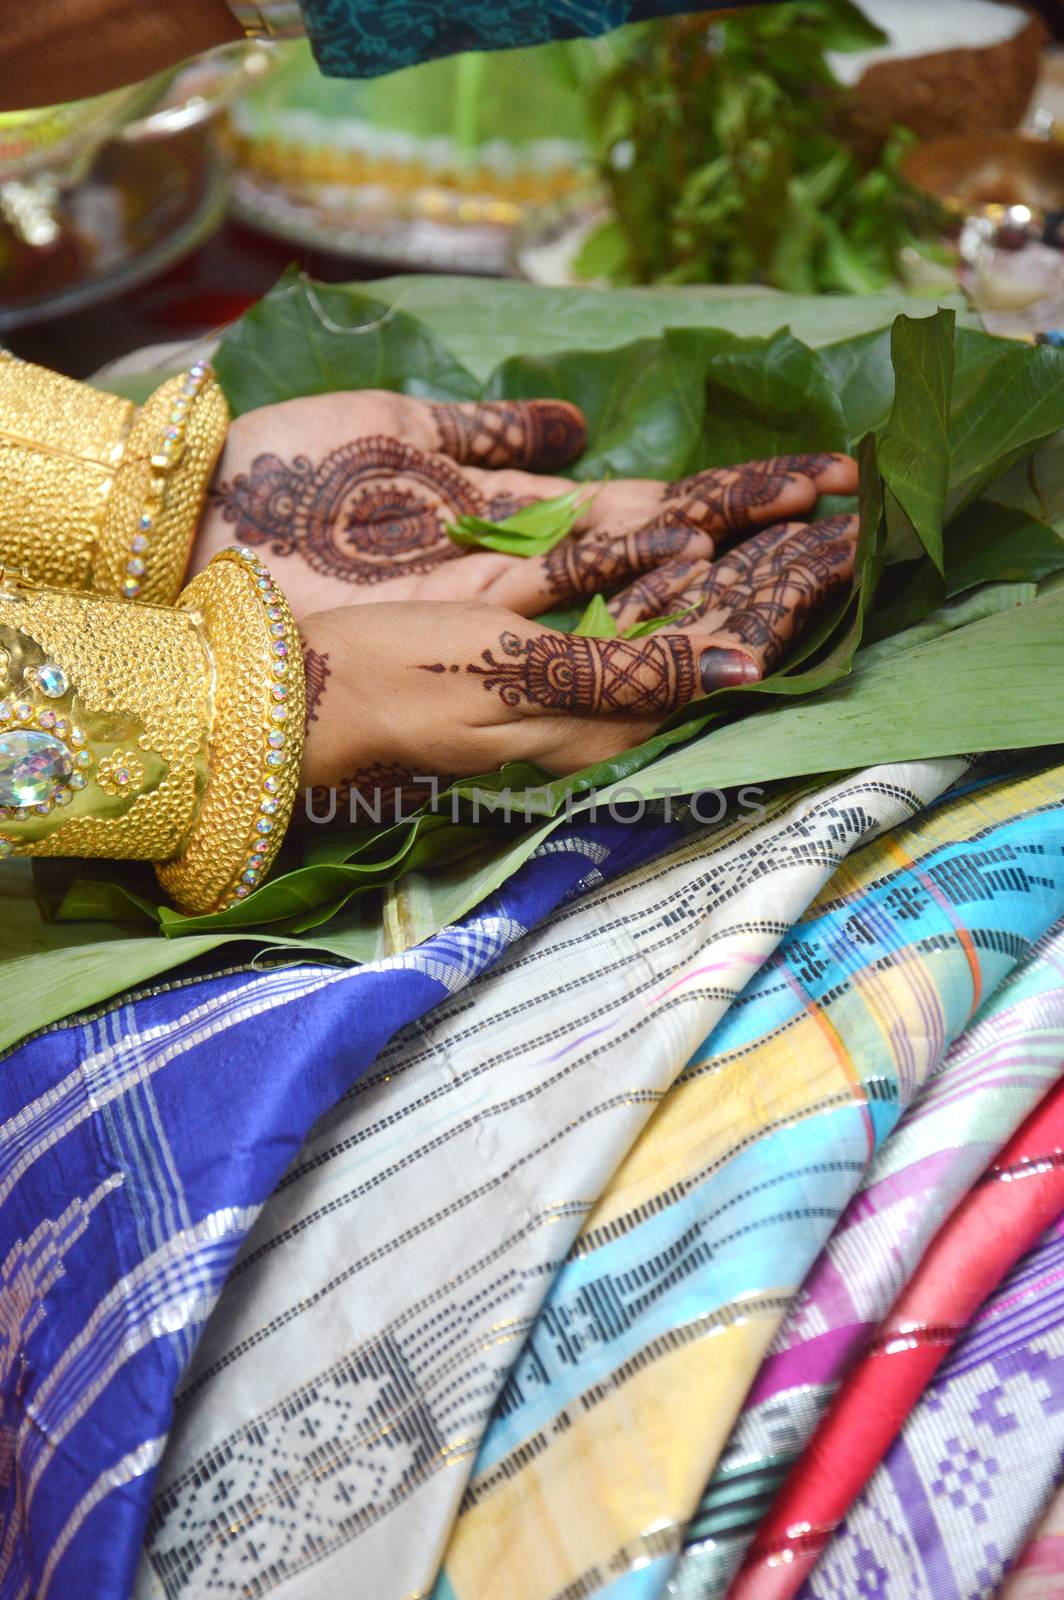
{"points": [[351, 495]]}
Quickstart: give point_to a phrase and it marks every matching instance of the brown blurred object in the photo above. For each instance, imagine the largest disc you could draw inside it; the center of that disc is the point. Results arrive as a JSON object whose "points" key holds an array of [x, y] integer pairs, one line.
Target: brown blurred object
{"points": [[986, 173], [949, 91]]}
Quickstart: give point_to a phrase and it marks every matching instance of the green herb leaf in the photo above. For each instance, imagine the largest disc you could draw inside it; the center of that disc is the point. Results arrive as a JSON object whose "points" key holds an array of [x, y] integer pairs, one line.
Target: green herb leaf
{"points": [[596, 622], [532, 531], [643, 630]]}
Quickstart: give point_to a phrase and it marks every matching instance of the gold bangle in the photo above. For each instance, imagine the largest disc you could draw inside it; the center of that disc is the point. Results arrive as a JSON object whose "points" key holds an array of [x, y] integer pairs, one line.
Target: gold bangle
{"points": [[143, 732], [96, 495], [257, 740]]}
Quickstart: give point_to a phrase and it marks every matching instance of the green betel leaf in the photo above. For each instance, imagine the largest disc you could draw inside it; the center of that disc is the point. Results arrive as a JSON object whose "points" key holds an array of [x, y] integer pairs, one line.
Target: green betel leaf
{"points": [[315, 338], [532, 531], [1008, 398], [523, 319], [767, 398], [914, 445], [861, 374], [977, 687], [992, 543]]}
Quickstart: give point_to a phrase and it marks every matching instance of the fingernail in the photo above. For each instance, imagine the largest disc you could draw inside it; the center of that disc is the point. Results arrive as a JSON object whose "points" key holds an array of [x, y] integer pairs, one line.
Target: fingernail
{"points": [[726, 669]]}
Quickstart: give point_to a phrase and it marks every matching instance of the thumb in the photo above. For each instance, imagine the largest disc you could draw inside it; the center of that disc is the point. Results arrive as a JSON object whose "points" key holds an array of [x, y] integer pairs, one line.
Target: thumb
{"points": [[542, 671]]}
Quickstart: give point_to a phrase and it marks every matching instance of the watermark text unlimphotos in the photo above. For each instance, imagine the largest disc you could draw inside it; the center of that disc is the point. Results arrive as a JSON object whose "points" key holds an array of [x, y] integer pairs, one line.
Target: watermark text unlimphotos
{"points": [[620, 802]]}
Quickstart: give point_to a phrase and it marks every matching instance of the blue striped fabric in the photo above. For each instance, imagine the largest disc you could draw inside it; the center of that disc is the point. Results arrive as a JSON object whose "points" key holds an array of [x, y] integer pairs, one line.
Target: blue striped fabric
{"points": [[136, 1148]]}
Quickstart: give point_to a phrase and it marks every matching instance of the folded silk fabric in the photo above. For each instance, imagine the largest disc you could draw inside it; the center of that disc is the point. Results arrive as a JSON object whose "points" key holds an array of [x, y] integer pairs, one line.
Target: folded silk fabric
{"points": [[992, 1078], [654, 1327], [362, 38], [136, 1147], [1003, 1217], [455, 1234], [965, 1485], [335, 1406]]}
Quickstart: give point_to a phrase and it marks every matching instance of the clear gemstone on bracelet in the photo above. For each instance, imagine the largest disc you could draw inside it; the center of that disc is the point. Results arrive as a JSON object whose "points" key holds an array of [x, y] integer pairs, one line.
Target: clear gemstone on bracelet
{"points": [[31, 766], [52, 680]]}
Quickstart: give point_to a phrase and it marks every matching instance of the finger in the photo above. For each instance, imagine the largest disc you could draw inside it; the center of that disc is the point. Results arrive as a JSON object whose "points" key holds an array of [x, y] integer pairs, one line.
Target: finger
{"points": [[543, 434], [733, 500], [581, 567], [543, 673], [700, 587], [757, 623], [658, 594], [749, 568]]}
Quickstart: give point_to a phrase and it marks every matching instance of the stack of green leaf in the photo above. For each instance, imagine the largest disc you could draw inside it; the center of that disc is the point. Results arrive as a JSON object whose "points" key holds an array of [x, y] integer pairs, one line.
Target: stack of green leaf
{"points": [[952, 641]]}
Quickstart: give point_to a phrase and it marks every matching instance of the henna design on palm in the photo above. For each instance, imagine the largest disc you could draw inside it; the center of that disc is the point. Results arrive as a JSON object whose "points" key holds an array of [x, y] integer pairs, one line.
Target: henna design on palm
{"points": [[511, 433], [317, 670], [370, 511], [561, 673], [501, 506]]}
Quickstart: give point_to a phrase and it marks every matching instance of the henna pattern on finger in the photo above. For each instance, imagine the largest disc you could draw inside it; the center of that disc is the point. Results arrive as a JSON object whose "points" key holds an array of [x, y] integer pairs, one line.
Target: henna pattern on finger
{"points": [[791, 550], [587, 566], [511, 433], [657, 594], [370, 511], [559, 672], [727, 498], [317, 670], [769, 613]]}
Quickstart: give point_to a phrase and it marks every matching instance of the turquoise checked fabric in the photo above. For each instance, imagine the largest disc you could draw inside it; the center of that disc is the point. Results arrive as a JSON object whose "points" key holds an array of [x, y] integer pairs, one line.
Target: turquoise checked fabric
{"points": [[363, 38]]}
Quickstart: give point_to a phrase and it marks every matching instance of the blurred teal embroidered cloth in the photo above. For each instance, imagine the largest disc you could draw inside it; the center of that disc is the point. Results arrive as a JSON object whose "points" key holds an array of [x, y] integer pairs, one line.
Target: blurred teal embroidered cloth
{"points": [[362, 38]]}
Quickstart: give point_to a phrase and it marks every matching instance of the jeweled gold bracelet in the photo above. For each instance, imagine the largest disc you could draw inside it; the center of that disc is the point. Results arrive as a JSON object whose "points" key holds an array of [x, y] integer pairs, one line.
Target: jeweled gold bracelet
{"points": [[150, 733], [95, 494]]}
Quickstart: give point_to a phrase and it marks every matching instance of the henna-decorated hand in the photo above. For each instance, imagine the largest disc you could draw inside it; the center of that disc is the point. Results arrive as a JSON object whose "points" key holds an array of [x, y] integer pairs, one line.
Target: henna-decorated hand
{"points": [[349, 496], [453, 690]]}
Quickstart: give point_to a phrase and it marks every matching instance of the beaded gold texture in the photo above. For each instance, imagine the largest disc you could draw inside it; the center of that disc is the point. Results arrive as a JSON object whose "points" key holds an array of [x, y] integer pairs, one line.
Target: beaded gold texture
{"points": [[256, 744], [213, 691], [135, 677], [96, 495]]}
